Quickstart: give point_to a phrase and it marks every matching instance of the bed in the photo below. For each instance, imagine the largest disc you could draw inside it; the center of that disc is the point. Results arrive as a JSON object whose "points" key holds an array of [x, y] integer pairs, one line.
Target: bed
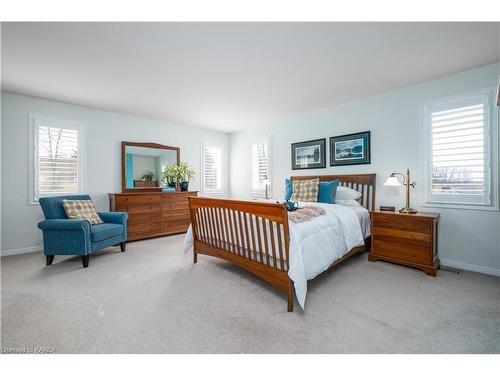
{"points": [[258, 237]]}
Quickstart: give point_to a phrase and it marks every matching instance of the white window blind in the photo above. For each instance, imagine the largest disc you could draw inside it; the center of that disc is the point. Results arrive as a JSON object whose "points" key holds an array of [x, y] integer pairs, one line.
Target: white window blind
{"points": [[211, 169], [260, 166], [459, 156], [57, 162]]}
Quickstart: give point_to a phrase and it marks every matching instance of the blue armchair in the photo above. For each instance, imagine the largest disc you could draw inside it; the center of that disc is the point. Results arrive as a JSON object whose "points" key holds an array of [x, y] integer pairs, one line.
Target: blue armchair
{"points": [[63, 236]]}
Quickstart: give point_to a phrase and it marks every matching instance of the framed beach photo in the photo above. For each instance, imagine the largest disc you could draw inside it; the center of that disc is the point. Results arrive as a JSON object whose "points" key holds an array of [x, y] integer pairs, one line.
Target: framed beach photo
{"points": [[309, 155], [350, 149]]}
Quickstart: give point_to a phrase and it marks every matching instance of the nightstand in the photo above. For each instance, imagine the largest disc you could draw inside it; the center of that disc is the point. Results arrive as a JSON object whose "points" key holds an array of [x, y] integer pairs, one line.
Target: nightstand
{"points": [[405, 239]]}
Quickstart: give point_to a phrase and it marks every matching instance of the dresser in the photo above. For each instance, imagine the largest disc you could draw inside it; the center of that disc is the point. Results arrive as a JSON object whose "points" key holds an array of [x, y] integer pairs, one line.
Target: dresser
{"points": [[406, 239], [153, 214]]}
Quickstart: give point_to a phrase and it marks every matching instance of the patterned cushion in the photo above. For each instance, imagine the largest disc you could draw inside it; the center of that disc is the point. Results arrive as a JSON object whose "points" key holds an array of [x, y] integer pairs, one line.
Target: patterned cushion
{"points": [[83, 210], [305, 190]]}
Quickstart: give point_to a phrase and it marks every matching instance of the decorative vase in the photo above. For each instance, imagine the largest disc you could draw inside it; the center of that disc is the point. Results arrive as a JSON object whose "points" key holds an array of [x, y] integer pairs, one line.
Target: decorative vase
{"points": [[184, 185], [171, 184]]}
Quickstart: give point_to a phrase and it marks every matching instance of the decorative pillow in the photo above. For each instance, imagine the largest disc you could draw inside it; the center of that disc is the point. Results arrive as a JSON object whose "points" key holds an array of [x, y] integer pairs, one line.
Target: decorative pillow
{"points": [[288, 189], [347, 202], [327, 191], [305, 190], [347, 193], [82, 209]]}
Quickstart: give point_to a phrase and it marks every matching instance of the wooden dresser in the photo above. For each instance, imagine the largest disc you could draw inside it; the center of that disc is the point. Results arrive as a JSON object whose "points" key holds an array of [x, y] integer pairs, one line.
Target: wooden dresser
{"points": [[406, 239], [153, 214]]}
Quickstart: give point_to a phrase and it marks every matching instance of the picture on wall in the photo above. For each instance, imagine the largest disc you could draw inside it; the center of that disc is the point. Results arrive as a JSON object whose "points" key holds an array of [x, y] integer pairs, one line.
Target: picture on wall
{"points": [[309, 155], [350, 149]]}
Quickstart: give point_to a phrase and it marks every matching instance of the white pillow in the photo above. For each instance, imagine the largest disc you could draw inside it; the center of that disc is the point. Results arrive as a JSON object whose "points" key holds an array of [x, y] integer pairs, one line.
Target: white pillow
{"points": [[347, 202], [346, 193]]}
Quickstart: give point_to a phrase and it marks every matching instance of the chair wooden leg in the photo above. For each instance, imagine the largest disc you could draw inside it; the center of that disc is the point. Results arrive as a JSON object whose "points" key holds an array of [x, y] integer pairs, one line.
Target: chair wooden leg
{"points": [[290, 296], [85, 260], [122, 246], [195, 257], [49, 259]]}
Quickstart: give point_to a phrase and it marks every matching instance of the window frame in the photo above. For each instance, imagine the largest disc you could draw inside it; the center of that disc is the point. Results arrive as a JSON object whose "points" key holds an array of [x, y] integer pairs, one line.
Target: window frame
{"points": [[258, 193], [220, 146], [35, 121], [491, 151]]}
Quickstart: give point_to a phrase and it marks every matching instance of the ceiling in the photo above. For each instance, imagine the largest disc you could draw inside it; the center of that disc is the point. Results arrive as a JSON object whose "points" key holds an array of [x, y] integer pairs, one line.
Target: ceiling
{"points": [[233, 76]]}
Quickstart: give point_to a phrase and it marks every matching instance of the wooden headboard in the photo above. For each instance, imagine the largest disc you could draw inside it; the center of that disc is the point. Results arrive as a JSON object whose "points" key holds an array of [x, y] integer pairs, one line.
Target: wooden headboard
{"points": [[364, 183]]}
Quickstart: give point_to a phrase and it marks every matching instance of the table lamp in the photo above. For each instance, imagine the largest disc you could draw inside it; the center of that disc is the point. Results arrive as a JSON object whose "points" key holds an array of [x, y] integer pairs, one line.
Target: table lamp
{"points": [[393, 181], [266, 183]]}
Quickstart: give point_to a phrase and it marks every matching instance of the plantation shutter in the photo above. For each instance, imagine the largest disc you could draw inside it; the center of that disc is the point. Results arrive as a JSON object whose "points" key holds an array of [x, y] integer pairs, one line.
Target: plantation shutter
{"points": [[57, 169], [460, 151], [260, 167], [211, 175]]}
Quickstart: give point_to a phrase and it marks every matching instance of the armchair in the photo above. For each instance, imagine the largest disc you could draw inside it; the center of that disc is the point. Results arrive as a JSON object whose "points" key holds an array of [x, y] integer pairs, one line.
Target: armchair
{"points": [[63, 236]]}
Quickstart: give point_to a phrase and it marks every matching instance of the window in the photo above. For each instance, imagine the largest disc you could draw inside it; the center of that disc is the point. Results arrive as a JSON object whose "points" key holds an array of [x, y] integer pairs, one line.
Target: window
{"points": [[211, 169], [459, 151], [261, 166], [56, 162]]}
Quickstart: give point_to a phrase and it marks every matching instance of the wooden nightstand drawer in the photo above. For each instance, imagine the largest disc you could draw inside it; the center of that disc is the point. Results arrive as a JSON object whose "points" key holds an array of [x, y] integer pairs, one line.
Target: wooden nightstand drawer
{"points": [[423, 238], [404, 223], [406, 239], [409, 251]]}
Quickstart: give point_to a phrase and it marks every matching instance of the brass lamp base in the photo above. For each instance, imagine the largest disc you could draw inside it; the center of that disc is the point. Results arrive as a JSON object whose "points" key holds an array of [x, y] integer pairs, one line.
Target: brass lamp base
{"points": [[408, 210]]}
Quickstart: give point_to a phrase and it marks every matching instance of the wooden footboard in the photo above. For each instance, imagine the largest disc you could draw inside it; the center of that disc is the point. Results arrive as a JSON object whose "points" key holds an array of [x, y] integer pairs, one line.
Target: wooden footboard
{"points": [[253, 235]]}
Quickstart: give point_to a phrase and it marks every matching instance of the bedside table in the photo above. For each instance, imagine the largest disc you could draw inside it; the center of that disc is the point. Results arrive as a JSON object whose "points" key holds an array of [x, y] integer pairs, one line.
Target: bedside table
{"points": [[406, 239]]}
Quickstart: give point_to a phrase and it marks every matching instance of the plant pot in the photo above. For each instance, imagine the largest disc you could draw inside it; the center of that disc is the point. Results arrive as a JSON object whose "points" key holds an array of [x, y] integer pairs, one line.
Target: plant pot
{"points": [[171, 184], [184, 185]]}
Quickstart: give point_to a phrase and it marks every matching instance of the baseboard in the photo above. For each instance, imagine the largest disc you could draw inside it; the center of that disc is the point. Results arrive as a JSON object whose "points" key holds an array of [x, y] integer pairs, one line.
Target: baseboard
{"points": [[470, 267], [23, 250]]}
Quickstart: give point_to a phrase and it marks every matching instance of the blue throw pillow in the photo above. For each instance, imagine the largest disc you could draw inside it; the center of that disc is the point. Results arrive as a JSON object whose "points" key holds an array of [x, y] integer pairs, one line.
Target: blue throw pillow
{"points": [[327, 191], [288, 189]]}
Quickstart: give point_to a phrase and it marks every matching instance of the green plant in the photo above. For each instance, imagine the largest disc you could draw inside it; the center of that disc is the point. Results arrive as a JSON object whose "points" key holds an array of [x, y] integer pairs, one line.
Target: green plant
{"points": [[185, 172], [170, 174], [148, 176]]}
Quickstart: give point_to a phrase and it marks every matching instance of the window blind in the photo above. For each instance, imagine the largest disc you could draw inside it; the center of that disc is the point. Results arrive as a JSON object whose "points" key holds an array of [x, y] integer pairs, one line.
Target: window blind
{"points": [[56, 161], [460, 160], [211, 169], [260, 167]]}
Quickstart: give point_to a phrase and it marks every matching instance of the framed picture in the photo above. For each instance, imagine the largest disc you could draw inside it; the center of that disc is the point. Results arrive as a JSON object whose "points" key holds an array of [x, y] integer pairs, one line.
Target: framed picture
{"points": [[350, 149], [309, 155]]}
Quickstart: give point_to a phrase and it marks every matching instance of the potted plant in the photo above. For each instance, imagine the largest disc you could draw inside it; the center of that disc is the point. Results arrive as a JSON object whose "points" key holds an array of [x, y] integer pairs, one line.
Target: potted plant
{"points": [[169, 176], [148, 176], [185, 174]]}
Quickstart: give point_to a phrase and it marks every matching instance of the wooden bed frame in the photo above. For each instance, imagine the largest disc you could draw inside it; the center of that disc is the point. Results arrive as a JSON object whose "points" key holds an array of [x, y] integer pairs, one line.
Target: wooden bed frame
{"points": [[242, 231]]}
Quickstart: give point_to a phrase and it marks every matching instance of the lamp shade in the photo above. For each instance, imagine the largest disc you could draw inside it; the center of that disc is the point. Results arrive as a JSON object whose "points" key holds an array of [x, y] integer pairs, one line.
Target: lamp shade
{"points": [[392, 181]]}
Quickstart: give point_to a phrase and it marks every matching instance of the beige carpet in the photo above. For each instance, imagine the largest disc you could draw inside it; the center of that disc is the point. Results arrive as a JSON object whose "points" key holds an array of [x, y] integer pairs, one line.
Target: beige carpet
{"points": [[152, 299]]}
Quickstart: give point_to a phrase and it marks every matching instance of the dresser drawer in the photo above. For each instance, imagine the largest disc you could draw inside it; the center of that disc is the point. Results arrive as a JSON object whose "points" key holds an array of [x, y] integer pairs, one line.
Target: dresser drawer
{"points": [[167, 205], [137, 199], [144, 228], [169, 228], [141, 218], [142, 208]]}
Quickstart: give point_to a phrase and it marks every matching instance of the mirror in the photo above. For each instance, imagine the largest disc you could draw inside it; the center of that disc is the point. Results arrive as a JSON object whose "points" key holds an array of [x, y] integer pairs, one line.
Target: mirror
{"points": [[142, 164]]}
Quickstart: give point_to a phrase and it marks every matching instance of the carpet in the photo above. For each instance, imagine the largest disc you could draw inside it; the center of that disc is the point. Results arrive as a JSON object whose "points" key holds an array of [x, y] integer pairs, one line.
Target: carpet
{"points": [[153, 299]]}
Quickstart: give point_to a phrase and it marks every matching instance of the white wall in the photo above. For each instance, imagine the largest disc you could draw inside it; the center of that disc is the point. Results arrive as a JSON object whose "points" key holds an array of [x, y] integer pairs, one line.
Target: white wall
{"points": [[467, 238], [143, 164], [104, 133]]}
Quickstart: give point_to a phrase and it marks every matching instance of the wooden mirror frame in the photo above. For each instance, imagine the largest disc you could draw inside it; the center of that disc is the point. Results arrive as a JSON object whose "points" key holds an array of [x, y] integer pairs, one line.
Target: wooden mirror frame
{"points": [[149, 145]]}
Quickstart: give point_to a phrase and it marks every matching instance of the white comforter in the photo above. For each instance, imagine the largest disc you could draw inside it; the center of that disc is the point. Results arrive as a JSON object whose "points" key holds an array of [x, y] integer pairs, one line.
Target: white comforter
{"points": [[316, 244]]}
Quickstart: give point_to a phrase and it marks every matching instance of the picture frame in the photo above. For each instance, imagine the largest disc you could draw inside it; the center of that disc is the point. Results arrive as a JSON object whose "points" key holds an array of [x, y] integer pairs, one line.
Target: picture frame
{"points": [[350, 149], [309, 154]]}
